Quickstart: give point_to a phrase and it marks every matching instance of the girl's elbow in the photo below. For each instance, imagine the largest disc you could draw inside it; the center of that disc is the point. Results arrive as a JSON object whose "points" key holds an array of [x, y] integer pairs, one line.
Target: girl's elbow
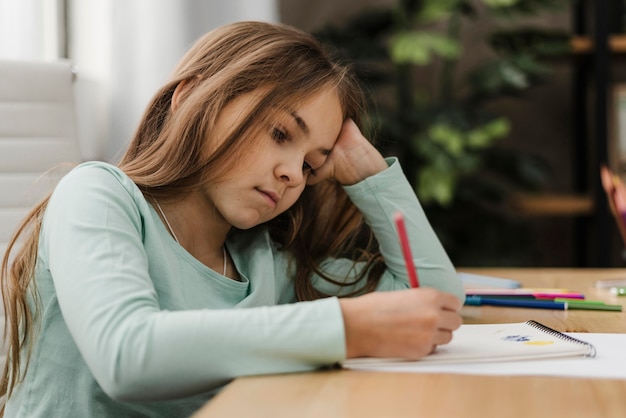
{"points": [[124, 390], [126, 384]]}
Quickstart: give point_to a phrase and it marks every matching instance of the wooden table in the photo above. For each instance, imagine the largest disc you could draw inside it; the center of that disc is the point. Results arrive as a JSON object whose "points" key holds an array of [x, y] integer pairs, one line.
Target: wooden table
{"points": [[344, 393]]}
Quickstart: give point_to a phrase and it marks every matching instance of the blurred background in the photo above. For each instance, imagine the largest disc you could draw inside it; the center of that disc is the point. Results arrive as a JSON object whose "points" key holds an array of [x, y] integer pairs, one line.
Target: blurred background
{"points": [[501, 111]]}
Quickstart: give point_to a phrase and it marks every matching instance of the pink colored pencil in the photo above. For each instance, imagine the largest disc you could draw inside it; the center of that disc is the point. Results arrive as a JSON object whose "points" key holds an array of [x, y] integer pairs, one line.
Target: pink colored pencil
{"points": [[406, 249]]}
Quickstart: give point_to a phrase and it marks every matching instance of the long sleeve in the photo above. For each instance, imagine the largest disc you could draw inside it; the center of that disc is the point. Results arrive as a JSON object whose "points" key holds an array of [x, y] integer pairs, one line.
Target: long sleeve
{"points": [[378, 197], [136, 326], [149, 320]]}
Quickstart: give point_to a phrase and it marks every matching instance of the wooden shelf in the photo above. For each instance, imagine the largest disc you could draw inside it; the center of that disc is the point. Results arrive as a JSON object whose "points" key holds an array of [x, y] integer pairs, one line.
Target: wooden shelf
{"points": [[552, 205], [584, 44]]}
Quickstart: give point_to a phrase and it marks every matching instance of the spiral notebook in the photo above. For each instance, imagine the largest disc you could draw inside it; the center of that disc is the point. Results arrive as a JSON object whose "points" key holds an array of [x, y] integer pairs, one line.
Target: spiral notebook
{"points": [[493, 342]]}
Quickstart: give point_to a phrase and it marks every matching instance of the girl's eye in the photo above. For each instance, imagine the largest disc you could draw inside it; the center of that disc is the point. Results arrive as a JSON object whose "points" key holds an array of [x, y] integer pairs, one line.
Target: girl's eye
{"points": [[279, 135], [306, 168]]}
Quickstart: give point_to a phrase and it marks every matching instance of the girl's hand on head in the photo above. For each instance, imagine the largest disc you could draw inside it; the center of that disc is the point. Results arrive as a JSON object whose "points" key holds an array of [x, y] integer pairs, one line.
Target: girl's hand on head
{"points": [[352, 159], [407, 323]]}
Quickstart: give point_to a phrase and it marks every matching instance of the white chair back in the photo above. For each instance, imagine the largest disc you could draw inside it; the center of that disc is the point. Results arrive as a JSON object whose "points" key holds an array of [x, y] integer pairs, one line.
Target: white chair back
{"points": [[38, 132]]}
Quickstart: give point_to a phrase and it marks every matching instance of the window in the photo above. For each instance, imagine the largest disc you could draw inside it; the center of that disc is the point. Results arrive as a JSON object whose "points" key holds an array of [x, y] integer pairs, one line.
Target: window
{"points": [[32, 29]]}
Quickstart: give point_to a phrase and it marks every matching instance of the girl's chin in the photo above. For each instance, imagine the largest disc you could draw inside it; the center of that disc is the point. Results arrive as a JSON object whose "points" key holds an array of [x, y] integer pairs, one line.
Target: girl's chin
{"points": [[247, 223], [243, 220]]}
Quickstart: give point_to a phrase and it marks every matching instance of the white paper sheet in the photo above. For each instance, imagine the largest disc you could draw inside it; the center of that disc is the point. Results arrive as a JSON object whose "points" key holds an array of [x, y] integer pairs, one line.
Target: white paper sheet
{"points": [[609, 362]]}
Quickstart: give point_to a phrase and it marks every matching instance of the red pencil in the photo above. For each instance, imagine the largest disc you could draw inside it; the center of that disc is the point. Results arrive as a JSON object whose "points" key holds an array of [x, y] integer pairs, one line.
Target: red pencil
{"points": [[406, 249]]}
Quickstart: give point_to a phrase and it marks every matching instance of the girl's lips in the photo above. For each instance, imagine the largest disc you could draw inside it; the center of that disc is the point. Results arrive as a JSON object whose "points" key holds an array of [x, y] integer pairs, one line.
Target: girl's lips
{"points": [[270, 197]]}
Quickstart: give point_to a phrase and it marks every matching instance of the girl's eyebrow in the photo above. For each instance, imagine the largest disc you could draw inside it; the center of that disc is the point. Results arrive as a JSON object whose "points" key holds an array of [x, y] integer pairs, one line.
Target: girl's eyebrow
{"points": [[305, 129], [301, 123]]}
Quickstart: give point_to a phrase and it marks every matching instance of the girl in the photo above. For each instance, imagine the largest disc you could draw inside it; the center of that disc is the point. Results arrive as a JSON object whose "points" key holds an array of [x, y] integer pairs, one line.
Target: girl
{"points": [[247, 202]]}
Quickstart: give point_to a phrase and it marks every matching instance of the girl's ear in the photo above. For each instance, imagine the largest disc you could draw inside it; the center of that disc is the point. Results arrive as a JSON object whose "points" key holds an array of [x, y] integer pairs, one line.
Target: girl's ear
{"points": [[181, 91]]}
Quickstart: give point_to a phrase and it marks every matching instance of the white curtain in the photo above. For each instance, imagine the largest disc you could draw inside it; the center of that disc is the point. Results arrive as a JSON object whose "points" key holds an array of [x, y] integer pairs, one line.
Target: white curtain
{"points": [[125, 49]]}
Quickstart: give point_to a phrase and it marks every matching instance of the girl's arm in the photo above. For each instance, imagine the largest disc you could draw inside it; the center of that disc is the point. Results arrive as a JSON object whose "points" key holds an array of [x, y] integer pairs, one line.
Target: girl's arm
{"points": [[408, 323], [378, 188], [94, 246]]}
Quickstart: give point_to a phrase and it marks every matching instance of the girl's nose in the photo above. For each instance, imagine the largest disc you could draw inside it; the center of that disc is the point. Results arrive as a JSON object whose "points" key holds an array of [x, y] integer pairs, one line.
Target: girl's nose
{"points": [[290, 171]]}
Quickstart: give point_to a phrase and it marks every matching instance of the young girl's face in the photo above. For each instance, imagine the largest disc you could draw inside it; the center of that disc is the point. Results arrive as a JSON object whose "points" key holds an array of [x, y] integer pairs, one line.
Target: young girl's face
{"points": [[293, 145]]}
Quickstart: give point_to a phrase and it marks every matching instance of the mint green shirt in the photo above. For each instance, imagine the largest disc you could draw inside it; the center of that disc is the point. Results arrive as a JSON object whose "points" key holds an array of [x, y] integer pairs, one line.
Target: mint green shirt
{"points": [[132, 325]]}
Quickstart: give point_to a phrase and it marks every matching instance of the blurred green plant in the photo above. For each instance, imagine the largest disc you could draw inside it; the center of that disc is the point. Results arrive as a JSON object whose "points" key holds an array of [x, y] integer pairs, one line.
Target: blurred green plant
{"points": [[437, 119]]}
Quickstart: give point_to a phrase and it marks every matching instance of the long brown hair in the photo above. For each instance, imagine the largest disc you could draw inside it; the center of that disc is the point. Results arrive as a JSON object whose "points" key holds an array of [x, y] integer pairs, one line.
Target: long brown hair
{"points": [[173, 153]]}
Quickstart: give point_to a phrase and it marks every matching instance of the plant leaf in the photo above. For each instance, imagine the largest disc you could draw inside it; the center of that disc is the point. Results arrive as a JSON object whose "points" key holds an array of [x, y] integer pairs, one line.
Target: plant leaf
{"points": [[416, 47]]}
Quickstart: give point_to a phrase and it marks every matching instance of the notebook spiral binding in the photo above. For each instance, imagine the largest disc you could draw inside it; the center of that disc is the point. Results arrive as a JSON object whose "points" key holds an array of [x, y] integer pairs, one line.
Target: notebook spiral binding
{"points": [[591, 350]]}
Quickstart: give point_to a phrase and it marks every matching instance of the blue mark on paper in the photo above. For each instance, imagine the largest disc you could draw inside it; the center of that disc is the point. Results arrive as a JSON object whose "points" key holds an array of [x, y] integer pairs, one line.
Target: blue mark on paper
{"points": [[516, 338]]}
